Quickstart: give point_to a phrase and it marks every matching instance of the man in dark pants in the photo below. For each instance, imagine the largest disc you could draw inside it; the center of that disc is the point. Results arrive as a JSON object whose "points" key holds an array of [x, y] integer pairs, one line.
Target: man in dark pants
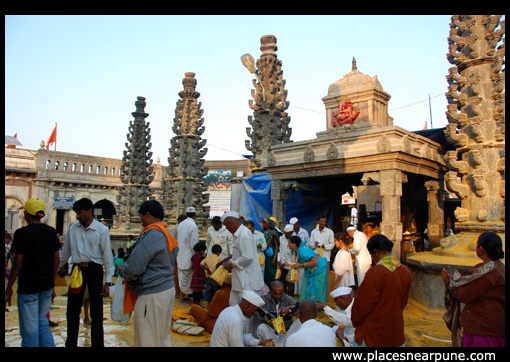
{"points": [[88, 245]]}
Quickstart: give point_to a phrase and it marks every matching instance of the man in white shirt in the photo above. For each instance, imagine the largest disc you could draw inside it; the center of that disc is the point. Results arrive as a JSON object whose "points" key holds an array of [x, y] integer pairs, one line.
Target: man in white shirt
{"points": [[231, 328], [299, 231], [304, 236], [244, 263], [217, 234], [187, 237], [286, 259], [311, 333], [341, 315], [323, 240], [88, 244], [360, 251]]}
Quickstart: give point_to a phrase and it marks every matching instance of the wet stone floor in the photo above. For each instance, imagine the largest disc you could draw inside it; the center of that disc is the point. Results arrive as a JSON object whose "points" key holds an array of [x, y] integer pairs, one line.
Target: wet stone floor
{"points": [[422, 329]]}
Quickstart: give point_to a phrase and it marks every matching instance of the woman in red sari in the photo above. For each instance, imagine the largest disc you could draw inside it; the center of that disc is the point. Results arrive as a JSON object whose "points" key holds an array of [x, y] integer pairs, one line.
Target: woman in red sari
{"points": [[483, 292]]}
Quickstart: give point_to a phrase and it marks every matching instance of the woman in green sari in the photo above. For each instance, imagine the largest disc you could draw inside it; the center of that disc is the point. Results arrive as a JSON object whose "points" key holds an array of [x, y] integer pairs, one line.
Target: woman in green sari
{"points": [[271, 253]]}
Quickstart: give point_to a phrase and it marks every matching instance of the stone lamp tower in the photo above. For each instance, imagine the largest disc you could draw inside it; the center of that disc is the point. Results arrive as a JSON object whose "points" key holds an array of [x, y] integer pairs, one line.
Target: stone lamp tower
{"points": [[270, 122], [184, 185], [136, 172], [476, 127]]}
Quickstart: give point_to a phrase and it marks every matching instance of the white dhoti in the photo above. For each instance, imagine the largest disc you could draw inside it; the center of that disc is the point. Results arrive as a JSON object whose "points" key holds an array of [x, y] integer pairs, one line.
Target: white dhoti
{"points": [[185, 276], [153, 319], [265, 331], [362, 270]]}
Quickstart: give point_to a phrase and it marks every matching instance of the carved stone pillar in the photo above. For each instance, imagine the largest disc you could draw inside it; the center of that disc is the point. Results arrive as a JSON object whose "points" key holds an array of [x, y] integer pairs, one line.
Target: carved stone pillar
{"points": [[391, 191], [435, 226], [279, 195]]}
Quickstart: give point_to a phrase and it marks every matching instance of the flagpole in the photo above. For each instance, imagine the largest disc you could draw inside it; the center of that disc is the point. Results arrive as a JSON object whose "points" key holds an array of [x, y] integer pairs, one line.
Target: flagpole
{"points": [[56, 135], [430, 111]]}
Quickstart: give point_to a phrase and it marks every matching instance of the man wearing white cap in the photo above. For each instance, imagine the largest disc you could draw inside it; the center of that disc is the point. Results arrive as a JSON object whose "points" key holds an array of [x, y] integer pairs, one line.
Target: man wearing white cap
{"points": [[360, 251], [231, 328], [299, 231], [303, 234], [187, 237], [244, 263], [341, 315], [286, 259]]}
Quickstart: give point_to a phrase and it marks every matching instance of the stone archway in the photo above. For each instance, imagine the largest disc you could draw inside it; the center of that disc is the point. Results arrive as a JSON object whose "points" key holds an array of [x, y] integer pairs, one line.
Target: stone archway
{"points": [[105, 209]]}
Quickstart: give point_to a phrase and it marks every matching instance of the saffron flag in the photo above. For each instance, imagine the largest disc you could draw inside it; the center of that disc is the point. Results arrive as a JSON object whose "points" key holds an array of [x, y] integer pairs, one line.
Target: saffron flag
{"points": [[53, 138]]}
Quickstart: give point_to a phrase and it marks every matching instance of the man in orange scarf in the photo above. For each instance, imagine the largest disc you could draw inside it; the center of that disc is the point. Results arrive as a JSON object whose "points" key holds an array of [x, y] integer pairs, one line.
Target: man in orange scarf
{"points": [[149, 276]]}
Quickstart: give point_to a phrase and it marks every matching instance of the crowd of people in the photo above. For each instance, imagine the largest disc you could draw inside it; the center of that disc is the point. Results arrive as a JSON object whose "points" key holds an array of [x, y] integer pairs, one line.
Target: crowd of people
{"points": [[255, 303]]}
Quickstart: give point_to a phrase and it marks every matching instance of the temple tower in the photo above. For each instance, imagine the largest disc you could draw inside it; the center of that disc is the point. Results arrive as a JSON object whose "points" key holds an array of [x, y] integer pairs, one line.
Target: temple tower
{"points": [[270, 122], [136, 171], [184, 185]]}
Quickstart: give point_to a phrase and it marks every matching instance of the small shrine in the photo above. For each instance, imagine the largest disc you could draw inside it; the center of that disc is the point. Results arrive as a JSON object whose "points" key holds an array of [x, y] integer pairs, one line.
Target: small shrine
{"points": [[356, 97]]}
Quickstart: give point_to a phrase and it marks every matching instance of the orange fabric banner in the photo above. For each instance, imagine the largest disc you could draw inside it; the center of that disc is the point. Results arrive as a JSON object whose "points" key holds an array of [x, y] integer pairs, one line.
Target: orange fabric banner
{"points": [[53, 138]]}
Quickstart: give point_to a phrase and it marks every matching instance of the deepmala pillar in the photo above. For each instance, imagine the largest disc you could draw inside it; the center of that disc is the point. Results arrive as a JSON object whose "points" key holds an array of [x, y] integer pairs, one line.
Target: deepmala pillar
{"points": [[476, 168]]}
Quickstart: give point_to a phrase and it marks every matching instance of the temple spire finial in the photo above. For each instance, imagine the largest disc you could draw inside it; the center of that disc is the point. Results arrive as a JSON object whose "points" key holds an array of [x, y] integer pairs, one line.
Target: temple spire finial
{"points": [[354, 67]]}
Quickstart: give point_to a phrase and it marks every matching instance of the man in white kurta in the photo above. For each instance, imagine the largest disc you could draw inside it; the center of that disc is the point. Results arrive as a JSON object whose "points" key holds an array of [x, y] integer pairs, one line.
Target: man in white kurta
{"points": [[304, 236], [231, 327], [187, 237], [244, 263], [360, 251], [312, 333], [322, 240]]}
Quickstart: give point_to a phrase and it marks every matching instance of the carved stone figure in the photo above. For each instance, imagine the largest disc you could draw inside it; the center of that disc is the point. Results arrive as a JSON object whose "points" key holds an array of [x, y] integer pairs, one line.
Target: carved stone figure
{"points": [[346, 114]]}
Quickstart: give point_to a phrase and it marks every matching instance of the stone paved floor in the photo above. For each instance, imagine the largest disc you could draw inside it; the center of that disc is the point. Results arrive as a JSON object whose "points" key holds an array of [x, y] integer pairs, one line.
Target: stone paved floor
{"points": [[422, 329]]}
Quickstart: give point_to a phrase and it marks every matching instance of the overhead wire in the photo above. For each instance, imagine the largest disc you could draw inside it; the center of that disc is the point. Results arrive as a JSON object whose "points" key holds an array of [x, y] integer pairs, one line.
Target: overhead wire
{"points": [[393, 109], [311, 110]]}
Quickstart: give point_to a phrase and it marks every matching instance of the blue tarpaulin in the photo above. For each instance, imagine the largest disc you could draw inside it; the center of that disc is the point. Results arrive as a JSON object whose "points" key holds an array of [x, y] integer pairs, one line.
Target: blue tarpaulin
{"points": [[306, 203]]}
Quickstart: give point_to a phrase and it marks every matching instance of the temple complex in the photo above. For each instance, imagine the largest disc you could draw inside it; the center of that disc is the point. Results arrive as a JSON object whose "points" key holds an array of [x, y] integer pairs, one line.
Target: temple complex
{"points": [[407, 183]]}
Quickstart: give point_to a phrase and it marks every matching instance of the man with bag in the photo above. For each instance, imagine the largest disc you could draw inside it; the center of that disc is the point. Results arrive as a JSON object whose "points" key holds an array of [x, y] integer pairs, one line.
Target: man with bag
{"points": [[88, 244], [149, 276], [277, 307], [244, 263], [286, 259]]}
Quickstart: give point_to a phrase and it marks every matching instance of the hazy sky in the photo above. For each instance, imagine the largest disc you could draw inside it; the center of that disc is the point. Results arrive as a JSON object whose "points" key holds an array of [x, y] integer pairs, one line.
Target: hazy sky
{"points": [[85, 72]]}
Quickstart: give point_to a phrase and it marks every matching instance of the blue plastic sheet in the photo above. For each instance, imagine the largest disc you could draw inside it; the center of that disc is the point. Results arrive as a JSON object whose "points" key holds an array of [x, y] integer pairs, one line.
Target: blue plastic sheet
{"points": [[306, 203]]}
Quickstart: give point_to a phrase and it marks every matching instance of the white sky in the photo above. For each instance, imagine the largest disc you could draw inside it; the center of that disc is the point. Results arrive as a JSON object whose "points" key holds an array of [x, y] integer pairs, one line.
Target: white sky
{"points": [[85, 72]]}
